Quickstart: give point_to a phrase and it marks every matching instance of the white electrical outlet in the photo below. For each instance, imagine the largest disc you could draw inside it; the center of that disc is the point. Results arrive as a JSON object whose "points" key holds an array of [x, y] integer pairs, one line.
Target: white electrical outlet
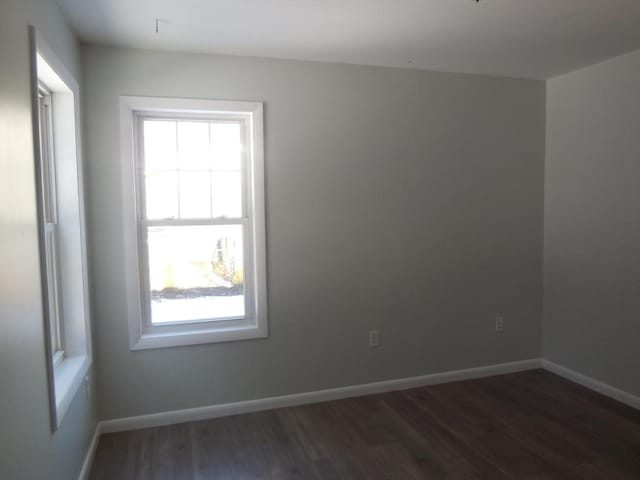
{"points": [[374, 338], [499, 324]]}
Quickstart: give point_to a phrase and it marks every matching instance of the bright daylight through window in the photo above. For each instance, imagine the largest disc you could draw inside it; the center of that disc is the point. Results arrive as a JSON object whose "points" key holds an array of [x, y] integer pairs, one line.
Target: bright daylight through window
{"points": [[200, 222], [193, 219]]}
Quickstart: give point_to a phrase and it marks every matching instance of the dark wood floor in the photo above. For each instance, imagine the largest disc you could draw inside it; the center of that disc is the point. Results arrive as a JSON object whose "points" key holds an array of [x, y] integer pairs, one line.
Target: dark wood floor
{"points": [[530, 425]]}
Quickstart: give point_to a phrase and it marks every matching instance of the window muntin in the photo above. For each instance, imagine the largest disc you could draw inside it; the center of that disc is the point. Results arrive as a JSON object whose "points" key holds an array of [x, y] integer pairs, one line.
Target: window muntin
{"points": [[193, 219]]}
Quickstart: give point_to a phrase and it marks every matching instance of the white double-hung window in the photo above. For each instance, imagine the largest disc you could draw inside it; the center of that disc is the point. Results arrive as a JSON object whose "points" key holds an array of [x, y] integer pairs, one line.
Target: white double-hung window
{"points": [[61, 226], [50, 231], [195, 238]]}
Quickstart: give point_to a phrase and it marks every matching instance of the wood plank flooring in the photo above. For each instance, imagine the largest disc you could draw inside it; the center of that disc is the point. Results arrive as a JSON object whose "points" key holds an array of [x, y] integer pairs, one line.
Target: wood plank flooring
{"points": [[531, 425]]}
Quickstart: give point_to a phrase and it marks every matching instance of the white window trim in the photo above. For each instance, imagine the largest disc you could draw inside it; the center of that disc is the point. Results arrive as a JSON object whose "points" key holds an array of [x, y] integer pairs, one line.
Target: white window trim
{"points": [[141, 335], [66, 370]]}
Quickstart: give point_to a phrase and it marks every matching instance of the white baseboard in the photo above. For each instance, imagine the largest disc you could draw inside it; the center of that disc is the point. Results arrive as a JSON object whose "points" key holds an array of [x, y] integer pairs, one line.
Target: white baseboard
{"points": [[221, 410], [593, 384], [88, 459], [213, 411]]}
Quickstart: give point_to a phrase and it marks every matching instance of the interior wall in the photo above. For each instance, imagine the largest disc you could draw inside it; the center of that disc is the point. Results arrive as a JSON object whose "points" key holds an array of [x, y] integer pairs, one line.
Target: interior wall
{"points": [[399, 200], [592, 222], [28, 449]]}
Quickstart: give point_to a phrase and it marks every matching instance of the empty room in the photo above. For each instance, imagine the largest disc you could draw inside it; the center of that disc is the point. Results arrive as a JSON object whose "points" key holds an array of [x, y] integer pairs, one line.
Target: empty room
{"points": [[319, 239]]}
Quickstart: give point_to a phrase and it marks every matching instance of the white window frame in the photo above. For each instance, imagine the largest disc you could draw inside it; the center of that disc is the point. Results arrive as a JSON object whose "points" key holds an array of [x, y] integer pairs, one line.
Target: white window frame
{"points": [[50, 218], [142, 333], [61, 226]]}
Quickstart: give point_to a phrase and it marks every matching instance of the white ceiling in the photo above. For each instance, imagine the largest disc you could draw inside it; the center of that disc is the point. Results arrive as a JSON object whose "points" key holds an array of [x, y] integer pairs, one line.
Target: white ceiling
{"points": [[520, 38]]}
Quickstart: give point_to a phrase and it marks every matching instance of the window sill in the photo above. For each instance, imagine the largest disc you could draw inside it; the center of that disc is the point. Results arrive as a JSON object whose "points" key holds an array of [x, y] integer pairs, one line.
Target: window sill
{"points": [[68, 376], [158, 339]]}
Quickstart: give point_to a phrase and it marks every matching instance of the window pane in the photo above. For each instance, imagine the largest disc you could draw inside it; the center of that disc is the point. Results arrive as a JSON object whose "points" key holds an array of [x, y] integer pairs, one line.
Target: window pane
{"points": [[227, 146], [196, 273], [161, 194], [227, 194], [53, 292], [160, 145], [195, 194], [193, 145]]}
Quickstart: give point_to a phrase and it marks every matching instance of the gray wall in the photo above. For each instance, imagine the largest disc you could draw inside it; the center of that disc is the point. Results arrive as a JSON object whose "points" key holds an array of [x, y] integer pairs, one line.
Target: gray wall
{"points": [[406, 201], [28, 449], [592, 222]]}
